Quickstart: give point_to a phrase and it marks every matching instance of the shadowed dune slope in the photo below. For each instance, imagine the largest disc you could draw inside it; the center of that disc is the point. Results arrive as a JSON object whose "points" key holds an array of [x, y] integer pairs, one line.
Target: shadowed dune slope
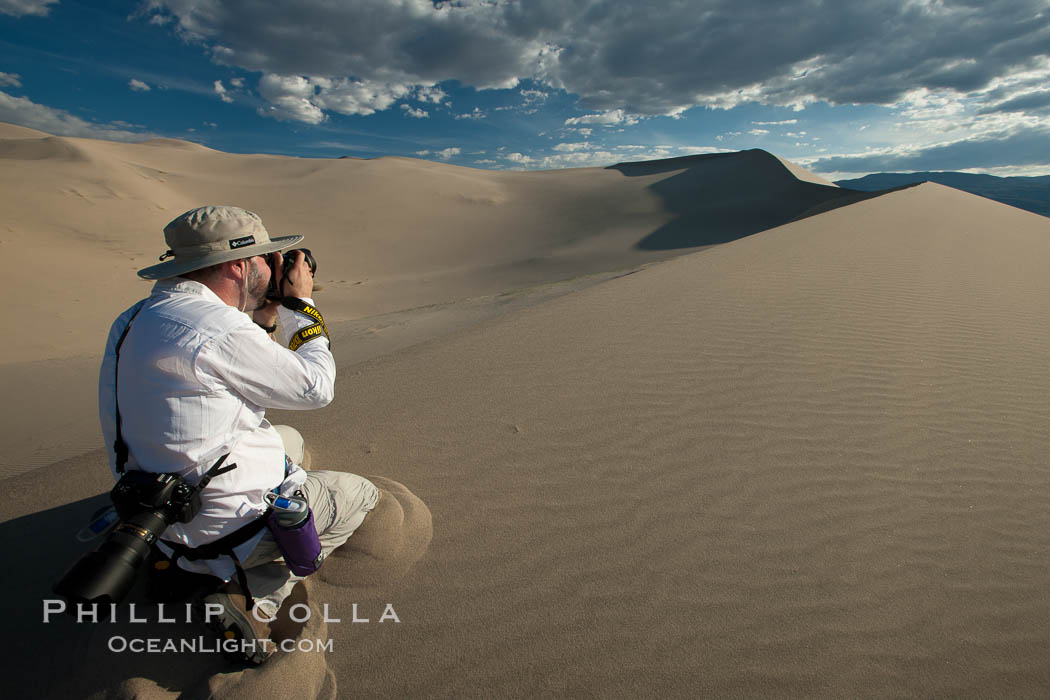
{"points": [[725, 196]]}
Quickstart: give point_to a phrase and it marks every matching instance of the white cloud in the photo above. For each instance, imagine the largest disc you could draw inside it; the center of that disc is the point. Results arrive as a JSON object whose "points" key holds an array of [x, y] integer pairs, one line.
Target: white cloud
{"points": [[434, 95], [413, 112], [358, 96], [533, 96], [701, 150], [758, 132], [422, 153], [10, 80], [290, 99], [780, 123], [592, 156], [571, 147], [237, 82], [476, 114], [608, 118], [298, 98], [591, 159], [18, 8], [24, 112], [447, 153], [138, 85], [221, 92]]}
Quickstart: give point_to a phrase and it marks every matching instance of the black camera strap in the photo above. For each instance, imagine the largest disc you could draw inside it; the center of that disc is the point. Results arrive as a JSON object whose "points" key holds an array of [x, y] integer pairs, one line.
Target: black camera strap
{"points": [[121, 447], [308, 333]]}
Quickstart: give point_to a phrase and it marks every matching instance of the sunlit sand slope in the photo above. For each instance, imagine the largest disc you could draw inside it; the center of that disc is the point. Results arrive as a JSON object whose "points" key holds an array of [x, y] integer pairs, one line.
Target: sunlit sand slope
{"points": [[812, 461]]}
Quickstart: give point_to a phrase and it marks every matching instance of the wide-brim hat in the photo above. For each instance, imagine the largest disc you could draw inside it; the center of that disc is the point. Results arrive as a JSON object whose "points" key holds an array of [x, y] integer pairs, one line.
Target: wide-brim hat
{"points": [[207, 236]]}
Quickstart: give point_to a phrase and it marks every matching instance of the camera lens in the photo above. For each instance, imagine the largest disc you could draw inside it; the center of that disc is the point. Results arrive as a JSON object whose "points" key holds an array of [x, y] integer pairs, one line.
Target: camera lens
{"points": [[107, 574], [289, 260]]}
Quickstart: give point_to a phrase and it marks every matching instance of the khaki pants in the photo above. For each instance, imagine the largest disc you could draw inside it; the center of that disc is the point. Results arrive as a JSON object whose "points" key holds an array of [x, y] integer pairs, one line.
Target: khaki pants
{"points": [[339, 502]]}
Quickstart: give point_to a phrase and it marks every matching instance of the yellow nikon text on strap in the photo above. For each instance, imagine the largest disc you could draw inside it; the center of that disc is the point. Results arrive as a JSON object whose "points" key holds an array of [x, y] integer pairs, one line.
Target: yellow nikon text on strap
{"points": [[314, 330]]}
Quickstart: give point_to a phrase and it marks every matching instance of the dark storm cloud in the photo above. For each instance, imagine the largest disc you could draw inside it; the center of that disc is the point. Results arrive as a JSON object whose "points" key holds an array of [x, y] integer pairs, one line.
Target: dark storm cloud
{"points": [[1016, 147], [646, 58], [1032, 102]]}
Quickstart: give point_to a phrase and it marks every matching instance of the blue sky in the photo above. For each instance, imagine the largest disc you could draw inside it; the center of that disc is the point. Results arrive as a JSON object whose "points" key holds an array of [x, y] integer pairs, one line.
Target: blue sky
{"points": [[844, 88]]}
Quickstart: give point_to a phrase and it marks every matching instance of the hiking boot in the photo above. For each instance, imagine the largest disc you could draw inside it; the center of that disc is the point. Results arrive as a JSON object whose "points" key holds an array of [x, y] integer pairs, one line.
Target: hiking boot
{"points": [[236, 622]]}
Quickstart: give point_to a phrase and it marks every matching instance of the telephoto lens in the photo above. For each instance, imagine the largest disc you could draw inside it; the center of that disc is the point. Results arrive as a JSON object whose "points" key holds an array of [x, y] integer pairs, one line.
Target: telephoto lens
{"points": [[106, 575]]}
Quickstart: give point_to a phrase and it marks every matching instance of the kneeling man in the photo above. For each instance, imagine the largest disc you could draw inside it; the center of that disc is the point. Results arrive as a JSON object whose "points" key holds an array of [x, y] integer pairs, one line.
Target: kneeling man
{"points": [[186, 378]]}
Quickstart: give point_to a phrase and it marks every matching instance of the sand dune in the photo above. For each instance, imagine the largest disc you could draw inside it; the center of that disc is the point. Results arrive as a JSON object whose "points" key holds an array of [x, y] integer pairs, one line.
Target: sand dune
{"points": [[405, 232], [809, 461], [391, 235]]}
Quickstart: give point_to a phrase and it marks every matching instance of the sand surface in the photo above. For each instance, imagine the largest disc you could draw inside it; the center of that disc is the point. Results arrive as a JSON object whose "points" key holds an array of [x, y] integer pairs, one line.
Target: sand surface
{"points": [[810, 461]]}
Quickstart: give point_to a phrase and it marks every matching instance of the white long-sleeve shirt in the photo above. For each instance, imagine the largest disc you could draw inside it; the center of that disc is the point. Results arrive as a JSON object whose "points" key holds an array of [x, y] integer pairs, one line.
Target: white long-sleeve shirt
{"points": [[196, 376]]}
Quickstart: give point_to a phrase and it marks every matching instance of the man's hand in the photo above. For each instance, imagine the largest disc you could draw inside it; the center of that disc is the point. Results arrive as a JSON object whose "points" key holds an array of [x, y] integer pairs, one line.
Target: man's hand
{"points": [[300, 281]]}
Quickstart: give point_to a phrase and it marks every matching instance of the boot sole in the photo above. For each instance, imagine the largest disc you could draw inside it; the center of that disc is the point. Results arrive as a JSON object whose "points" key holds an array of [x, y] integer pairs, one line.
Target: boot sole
{"points": [[231, 624]]}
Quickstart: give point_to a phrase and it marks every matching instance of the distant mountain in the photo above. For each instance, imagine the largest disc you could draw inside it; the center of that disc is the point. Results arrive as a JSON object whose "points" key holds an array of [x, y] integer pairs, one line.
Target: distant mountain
{"points": [[1030, 193]]}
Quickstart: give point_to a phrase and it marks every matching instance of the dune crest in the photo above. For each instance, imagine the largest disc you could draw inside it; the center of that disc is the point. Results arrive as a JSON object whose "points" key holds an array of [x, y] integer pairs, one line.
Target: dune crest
{"points": [[53, 148], [13, 131], [175, 143]]}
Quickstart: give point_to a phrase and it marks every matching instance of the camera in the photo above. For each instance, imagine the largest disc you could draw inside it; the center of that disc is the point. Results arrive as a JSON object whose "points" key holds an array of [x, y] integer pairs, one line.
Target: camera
{"points": [[275, 294], [146, 503]]}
